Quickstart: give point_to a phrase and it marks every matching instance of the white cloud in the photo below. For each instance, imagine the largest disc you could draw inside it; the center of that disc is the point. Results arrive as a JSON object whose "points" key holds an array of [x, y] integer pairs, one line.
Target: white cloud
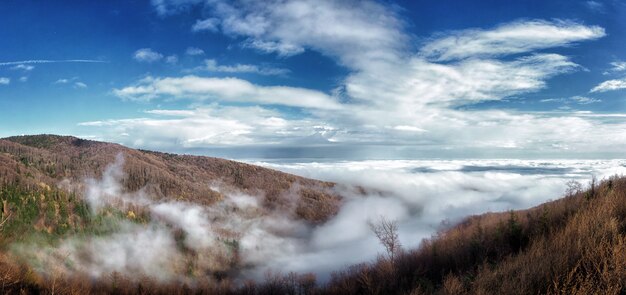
{"points": [[420, 195], [212, 66], [595, 6], [510, 38], [215, 126], [166, 7], [575, 99], [618, 66], [46, 61], [348, 30], [396, 96], [209, 24], [584, 99], [417, 83], [73, 81], [610, 85], [280, 48], [194, 51], [225, 89], [172, 59], [65, 80], [408, 128], [23, 67], [23, 79], [80, 85], [5, 81], [147, 55]]}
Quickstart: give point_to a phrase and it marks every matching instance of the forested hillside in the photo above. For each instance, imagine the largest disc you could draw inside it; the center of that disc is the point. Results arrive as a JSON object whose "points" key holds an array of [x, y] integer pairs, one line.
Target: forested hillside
{"points": [[573, 245]]}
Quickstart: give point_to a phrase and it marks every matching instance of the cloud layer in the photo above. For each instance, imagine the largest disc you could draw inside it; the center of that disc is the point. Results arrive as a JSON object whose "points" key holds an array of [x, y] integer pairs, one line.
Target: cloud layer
{"points": [[610, 85], [511, 38], [423, 196], [147, 55], [224, 89], [393, 94]]}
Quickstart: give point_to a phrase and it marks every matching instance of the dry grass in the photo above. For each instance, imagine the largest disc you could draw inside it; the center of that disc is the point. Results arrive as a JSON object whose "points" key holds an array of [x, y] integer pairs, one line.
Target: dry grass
{"points": [[51, 159], [575, 245]]}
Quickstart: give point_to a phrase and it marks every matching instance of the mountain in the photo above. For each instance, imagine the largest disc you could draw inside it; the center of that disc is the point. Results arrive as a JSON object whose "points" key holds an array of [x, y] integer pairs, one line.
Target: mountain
{"points": [[573, 245], [50, 159], [181, 223]]}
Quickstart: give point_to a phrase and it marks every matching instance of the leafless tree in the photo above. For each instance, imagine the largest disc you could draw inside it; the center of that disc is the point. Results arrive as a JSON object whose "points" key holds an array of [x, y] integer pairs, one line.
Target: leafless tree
{"points": [[573, 187], [387, 233]]}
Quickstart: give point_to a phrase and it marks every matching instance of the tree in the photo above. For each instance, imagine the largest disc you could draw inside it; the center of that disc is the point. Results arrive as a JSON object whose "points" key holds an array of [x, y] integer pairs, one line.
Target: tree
{"points": [[387, 233], [573, 187]]}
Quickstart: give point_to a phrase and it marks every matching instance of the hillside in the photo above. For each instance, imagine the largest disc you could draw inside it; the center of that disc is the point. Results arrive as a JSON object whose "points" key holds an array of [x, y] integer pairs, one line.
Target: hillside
{"points": [[66, 203], [55, 239], [51, 159], [574, 245]]}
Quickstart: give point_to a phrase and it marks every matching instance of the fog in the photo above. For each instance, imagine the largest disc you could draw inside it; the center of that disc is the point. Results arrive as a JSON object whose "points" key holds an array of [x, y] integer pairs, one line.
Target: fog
{"points": [[182, 241], [424, 197]]}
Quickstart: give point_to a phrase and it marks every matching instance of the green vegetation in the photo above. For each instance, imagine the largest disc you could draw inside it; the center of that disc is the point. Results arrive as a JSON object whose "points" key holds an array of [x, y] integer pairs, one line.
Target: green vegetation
{"points": [[50, 214]]}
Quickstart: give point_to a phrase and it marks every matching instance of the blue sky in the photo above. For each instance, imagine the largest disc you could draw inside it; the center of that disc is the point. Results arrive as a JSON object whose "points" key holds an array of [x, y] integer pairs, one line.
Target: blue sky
{"points": [[336, 79]]}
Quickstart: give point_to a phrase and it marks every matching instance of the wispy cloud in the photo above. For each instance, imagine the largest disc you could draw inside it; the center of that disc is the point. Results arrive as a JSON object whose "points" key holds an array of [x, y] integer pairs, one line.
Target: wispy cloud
{"points": [[584, 99], [395, 95], [5, 81], [510, 38], [76, 84], [595, 6], [193, 51], [167, 7], [171, 59], [147, 55], [23, 67], [45, 61], [62, 81], [226, 89], [618, 66], [610, 85], [575, 99], [284, 49], [215, 125], [80, 85], [209, 24], [211, 65]]}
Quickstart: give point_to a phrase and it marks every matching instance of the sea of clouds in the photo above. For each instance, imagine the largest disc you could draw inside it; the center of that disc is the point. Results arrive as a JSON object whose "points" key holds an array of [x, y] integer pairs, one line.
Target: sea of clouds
{"points": [[423, 196]]}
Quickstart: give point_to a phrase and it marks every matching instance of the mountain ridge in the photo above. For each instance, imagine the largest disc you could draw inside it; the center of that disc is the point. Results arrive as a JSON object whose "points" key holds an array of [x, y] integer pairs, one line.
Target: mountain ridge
{"points": [[50, 158]]}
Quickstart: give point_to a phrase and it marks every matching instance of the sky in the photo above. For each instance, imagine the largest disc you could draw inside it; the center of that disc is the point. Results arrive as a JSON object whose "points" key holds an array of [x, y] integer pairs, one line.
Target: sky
{"points": [[320, 79]]}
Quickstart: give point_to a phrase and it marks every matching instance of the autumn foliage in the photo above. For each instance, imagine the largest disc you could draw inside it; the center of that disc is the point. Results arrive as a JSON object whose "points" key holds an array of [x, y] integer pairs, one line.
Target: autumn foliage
{"points": [[573, 245]]}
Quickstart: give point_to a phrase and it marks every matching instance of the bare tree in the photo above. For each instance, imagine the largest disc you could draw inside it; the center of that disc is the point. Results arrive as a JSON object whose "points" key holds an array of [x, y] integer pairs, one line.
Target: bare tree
{"points": [[573, 187], [5, 214], [387, 233]]}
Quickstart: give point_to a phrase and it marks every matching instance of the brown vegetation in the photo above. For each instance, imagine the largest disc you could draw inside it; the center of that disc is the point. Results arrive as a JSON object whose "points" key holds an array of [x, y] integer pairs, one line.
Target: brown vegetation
{"points": [[52, 159], [574, 245]]}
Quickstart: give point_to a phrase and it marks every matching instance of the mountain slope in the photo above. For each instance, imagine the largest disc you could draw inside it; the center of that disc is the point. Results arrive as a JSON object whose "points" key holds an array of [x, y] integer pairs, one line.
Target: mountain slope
{"points": [[51, 159], [574, 245], [74, 212]]}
